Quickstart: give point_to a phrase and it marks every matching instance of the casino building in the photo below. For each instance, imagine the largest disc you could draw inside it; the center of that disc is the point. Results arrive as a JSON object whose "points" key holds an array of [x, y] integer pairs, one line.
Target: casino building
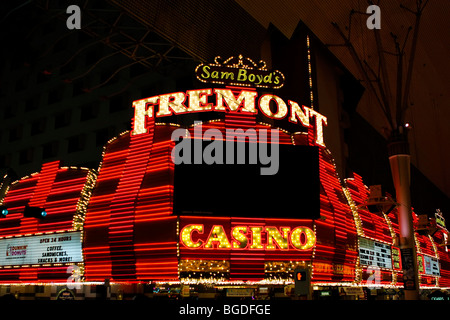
{"points": [[172, 209], [142, 224]]}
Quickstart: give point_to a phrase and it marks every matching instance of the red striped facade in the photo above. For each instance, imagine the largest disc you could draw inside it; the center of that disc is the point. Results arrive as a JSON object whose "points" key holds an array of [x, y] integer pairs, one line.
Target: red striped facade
{"points": [[64, 193], [132, 234]]}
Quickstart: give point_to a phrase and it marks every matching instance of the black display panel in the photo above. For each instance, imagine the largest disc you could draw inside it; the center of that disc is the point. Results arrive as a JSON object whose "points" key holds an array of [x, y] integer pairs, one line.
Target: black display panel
{"points": [[239, 190]]}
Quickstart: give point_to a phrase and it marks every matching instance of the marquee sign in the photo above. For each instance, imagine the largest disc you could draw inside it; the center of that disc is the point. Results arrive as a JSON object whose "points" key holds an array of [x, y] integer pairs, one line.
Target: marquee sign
{"points": [[195, 236], [431, 266], [243, 72], [440, 220], [225, 100], [43, 249], [374, 253], [231, 72]]}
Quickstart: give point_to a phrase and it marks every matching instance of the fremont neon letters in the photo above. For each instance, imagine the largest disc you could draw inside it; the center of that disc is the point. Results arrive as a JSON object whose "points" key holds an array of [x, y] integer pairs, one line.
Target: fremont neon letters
{"points": [[194, 236], [225, 101]]}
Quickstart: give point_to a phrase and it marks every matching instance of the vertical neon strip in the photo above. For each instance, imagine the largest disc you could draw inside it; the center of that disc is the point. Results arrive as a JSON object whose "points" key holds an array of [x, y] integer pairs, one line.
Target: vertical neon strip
{"points": [[311, 94], [121, 226], [43, 187]]}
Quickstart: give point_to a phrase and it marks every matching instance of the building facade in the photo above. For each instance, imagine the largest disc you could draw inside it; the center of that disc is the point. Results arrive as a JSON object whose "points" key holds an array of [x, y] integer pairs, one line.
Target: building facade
{"points": [[129, 221]]}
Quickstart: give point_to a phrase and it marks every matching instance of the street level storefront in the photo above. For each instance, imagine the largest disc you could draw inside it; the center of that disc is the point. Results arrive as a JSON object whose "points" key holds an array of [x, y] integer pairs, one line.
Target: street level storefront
{"points": [[157, 219]]}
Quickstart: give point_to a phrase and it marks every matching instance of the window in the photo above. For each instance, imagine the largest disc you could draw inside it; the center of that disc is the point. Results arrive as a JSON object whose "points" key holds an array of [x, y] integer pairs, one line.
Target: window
{"points": [[62, 119], [89, 112], [41, 77], [5, 160], [26, 156], [50, 149], [20, 85], [38, 126], [32, 104], [117, 103], [55, 95], [79, 87], [15, 133], [10, 112], [76, 143]]}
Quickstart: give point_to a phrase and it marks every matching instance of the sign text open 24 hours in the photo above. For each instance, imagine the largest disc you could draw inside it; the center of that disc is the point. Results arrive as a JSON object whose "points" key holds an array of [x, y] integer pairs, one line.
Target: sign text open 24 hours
{"points": [[42, 249]]}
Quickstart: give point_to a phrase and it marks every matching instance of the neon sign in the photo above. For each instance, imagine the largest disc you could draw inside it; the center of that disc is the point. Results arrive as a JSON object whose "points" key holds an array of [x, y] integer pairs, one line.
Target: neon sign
{"points": [[225, 101], [194, 236], [440, 221], [239, 73]]}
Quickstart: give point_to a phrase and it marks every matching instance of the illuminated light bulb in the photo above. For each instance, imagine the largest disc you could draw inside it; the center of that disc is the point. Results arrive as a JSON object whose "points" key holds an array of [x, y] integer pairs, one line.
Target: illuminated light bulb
{"points": [[256, 238], [140, 112], [310, 238], [218, 235], [264, 104], [280, 240], [186, 236], [240, 240], [297, 112], [246, 98], [171, 101], [198, 100]]}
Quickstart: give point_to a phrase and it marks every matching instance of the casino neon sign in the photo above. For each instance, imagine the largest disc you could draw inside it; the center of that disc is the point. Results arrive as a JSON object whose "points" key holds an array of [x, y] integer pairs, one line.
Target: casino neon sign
{"points": [[239, 71], [240, 237], [225, 100]]}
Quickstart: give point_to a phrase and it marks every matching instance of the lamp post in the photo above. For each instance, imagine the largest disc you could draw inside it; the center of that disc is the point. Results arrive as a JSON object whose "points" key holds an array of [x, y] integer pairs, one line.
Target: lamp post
{"points": [[394, 106], [399, 160]]}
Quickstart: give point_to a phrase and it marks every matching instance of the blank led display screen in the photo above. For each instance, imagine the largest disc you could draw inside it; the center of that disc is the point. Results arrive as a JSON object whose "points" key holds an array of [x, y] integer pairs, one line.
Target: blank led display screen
{"points": [[240, 190]]}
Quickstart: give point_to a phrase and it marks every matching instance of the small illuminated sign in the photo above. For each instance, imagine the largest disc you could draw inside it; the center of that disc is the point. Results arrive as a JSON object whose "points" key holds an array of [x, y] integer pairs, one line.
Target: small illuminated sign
{"points": [[440, 221], [239, 71], [431, 266], [396, 260], [301, 276], [43, 249], [194, 236], [420, 263]]}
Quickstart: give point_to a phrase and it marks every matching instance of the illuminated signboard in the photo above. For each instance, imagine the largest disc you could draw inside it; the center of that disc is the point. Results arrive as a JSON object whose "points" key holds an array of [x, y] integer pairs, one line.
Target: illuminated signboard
{"points": [[194, 236], [440, 221], [420, 263], [225, 100], [396, 261], [373, 253], [431, 266], [43, 249], [239, 72]]}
